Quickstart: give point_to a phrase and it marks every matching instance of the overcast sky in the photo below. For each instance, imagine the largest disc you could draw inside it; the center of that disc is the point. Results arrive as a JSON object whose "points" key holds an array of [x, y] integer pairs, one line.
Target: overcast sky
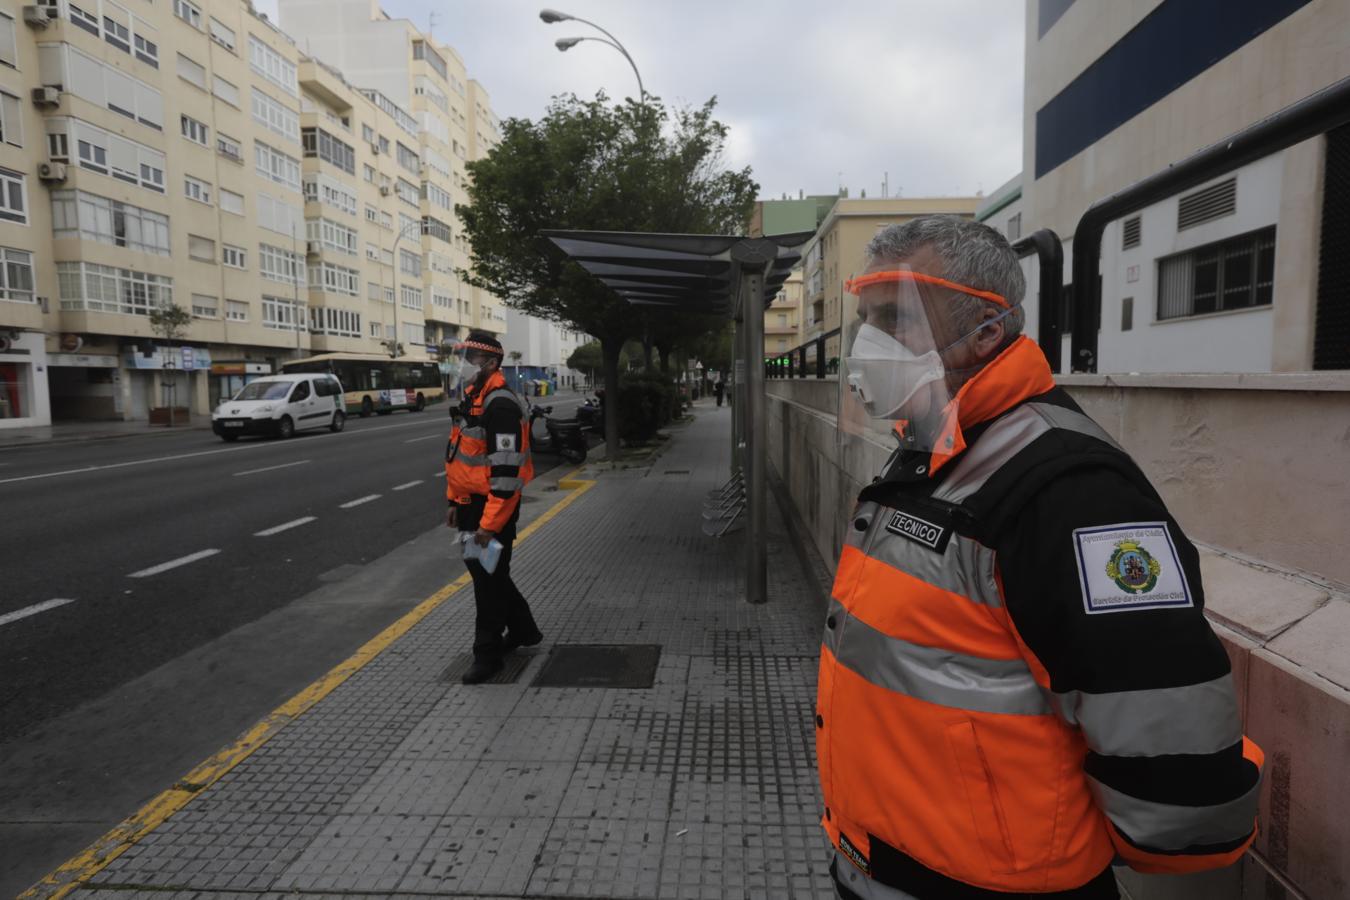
{"points": [[930, 92]]}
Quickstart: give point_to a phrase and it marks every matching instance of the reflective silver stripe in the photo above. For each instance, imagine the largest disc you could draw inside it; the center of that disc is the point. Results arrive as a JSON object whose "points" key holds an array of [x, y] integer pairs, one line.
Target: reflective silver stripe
{"points": [[508, 458], [1165, 826], [965, 568], [471, 459], [1197, 718], [500, 392], [938, 676], [477, 432], [865, 887], [1005, 439], [506, 484]]}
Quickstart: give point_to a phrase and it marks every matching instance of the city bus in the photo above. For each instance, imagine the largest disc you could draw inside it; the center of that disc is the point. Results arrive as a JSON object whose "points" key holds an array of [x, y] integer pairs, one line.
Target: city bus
{"points": [[377, 384]]}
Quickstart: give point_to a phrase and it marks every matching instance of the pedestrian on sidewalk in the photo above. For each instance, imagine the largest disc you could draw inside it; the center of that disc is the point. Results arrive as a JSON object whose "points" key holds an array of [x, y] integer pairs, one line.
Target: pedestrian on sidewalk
{"points": [[1017, 683], [719, 389], [487, 465]]}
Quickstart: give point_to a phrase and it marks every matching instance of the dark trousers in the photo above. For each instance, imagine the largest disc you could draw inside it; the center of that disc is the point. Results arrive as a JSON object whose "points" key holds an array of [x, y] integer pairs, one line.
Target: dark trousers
{"points": [[500, 605]]}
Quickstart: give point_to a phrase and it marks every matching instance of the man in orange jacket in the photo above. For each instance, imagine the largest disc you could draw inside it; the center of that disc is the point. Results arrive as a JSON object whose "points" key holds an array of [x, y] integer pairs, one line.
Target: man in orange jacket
{"points": [[1017, 682], [487, 464]]}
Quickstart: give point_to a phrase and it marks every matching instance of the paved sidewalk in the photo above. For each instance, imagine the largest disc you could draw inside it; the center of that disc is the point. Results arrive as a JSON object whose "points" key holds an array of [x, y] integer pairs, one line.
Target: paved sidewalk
{"points": [[404, 781], [73, 432]]}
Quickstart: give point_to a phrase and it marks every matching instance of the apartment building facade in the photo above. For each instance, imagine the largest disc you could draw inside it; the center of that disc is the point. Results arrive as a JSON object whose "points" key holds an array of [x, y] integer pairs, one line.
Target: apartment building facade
{"points": [[185, 153], [783, 317]]}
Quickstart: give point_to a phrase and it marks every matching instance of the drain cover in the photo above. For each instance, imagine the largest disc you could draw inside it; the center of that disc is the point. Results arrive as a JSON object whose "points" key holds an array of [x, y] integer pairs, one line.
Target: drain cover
{"points": [[513, 665], [600, 666]]}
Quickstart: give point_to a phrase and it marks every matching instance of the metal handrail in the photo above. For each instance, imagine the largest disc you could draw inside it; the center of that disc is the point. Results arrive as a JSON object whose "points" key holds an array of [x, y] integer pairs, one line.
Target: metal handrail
{"points": [[1317, 114], [792, 363], [1050, 251]]}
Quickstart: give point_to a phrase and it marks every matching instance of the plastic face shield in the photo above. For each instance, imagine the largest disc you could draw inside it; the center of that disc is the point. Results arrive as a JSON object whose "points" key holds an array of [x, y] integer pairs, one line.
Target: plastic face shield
{"points": [[893, 372], [466, 360]]}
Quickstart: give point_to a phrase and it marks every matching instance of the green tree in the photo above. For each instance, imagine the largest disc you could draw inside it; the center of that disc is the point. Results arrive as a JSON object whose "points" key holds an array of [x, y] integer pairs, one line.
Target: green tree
{"points": [[589, 164], [170, 322]]}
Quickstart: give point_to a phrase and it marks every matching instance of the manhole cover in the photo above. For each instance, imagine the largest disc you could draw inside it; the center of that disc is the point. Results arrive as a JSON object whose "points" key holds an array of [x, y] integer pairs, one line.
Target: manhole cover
{"points": [[513, 665], [600, 666]]}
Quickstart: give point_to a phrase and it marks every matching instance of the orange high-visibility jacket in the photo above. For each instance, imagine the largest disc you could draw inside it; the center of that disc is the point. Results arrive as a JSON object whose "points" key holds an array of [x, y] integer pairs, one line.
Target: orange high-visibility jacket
{"points": [[1017, 682], [488, 454]]}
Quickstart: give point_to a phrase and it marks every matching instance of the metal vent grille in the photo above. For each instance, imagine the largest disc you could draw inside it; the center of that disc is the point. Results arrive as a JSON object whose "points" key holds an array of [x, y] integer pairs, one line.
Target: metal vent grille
{"points": [[1214, 202], [1331, 341], [1131, 233]]}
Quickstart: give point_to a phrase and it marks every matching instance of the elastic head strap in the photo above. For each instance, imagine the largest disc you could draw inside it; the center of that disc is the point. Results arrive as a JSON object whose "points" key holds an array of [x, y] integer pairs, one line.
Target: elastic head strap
{"points": [[854, 285]]}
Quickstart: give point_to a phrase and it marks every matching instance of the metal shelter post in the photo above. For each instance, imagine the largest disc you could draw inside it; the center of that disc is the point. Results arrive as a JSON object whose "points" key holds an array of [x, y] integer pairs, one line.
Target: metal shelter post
{"points": [[1050, 253]]}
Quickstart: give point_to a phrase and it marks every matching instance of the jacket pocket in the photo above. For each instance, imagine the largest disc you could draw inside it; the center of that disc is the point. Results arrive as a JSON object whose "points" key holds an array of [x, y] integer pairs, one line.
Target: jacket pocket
{"points": [[981, 792]]}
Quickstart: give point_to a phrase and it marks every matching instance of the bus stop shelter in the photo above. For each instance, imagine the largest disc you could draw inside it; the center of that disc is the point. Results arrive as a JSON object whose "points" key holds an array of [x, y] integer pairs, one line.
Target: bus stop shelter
{"points": [[720, 274]]}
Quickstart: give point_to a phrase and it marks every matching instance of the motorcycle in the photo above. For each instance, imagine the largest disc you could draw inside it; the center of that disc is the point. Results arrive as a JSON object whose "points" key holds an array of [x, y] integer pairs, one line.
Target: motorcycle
{"points": [[591, 412], [563, 436]]}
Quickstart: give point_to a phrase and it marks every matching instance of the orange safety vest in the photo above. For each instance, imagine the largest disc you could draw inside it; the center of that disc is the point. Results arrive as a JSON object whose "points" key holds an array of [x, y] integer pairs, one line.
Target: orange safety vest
{"points": [[469, 460], [936, 731]]}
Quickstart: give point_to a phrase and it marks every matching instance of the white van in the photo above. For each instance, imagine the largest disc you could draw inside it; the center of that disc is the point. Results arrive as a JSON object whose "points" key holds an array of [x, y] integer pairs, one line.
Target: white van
{"points": [[281, 405]]}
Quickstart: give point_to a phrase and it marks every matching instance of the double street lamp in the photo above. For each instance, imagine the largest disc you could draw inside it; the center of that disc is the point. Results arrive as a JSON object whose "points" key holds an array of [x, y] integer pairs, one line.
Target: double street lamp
{"points": [[552, 16], [394, 343]]}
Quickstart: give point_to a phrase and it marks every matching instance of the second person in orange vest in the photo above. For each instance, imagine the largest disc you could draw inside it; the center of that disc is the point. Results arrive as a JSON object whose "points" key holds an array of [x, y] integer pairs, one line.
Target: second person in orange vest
{"points": [[487, 465]]}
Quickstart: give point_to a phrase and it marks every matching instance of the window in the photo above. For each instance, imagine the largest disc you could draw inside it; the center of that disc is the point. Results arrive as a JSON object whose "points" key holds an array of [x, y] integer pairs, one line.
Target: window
{"points": [[9, 47], [272, 65], [372, 214], [236, 310], [11, 119], [100, 83], [409, 263], [1236, 273], [202, 249], [16, 275], [332, 234], [276, 264], [277, 215], [117, 33], [188, 12], [320, 188], [334, 279], [196, 189], [320, 143], [275, 116], [435, 228], [88, 21], [413, 333], [1127, 314], [225, 91], [280, 314], [205, 307], [373, 291], [387, 258], [367, 134], [372, 253], [384, 145], [13, 197], [1015, 227], [194, 131], [88, 286], [431, 57], [146, 50], [86, 216], [229, 148], [376, 330], [191, 71], [368, 172], [232, 202], [272, 163], [407, 225], [438, 196], [234, 257], [408, 193], [110, 154], [222, 35], [410, 297], [441, 298], [408, 159], [340, 322]]}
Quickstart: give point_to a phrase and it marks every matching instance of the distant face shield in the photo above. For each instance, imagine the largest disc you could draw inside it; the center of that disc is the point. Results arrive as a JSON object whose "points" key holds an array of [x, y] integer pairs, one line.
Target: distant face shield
{"points": [[893, 356]]}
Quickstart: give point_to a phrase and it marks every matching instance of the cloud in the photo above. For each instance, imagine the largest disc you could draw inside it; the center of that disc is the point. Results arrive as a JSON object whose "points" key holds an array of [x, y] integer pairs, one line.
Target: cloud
{"points": [[930, 93]]}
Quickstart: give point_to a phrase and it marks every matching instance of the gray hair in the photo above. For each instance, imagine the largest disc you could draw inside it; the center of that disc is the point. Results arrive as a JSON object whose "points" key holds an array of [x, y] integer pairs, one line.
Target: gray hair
{"points": [[972, 254]]}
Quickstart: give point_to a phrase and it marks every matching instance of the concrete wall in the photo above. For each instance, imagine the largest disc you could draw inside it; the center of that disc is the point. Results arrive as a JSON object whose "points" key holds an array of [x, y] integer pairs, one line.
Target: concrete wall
{"points": [[1271, 511]]}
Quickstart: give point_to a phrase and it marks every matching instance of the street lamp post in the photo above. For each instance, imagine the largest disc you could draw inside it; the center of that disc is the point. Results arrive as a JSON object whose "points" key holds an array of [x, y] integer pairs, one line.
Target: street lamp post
{"points": [[552, 16], [393, 344]]}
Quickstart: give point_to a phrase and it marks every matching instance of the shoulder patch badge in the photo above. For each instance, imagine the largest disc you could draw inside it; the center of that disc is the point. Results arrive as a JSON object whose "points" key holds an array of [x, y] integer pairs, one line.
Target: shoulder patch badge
{"points": [[506, 442], [920, 531], [1129, 566]]}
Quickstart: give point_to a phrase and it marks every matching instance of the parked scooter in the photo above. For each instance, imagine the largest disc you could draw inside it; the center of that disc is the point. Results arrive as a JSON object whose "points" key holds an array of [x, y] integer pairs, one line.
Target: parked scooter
{"points": [[591, 412], [563, 436]]}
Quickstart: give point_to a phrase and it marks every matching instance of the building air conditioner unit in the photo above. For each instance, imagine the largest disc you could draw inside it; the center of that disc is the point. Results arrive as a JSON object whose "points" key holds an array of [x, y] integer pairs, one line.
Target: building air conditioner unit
{"points": [[46, 96], [36, 16], [312, 247], [51, 171], [375, 148], [384, 190]]}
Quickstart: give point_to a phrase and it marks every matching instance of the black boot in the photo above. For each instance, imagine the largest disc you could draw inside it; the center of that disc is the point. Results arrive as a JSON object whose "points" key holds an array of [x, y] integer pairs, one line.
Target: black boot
{"points": [[482, 670]]}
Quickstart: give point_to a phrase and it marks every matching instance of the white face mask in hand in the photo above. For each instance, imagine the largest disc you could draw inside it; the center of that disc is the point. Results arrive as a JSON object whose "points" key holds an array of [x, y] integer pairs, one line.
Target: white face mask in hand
{"points": [[886, 374]]}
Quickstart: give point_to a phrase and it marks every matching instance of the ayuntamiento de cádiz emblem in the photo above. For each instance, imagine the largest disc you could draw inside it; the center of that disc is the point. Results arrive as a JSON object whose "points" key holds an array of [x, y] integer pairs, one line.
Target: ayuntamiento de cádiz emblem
{"points": [[1133, 568]]}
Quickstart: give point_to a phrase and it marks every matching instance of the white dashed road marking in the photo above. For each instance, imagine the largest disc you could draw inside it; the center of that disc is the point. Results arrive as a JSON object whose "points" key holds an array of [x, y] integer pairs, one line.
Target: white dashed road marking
{"points": [[271, 468], [33, 610], [173, 564], [360, 500], [294, 523], [404, 487], [423, 438]]}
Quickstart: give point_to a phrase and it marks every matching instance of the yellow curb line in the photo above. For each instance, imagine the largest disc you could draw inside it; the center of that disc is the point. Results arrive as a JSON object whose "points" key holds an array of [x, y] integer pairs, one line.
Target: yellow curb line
{"points": [[569, 483], [79, 869]]}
